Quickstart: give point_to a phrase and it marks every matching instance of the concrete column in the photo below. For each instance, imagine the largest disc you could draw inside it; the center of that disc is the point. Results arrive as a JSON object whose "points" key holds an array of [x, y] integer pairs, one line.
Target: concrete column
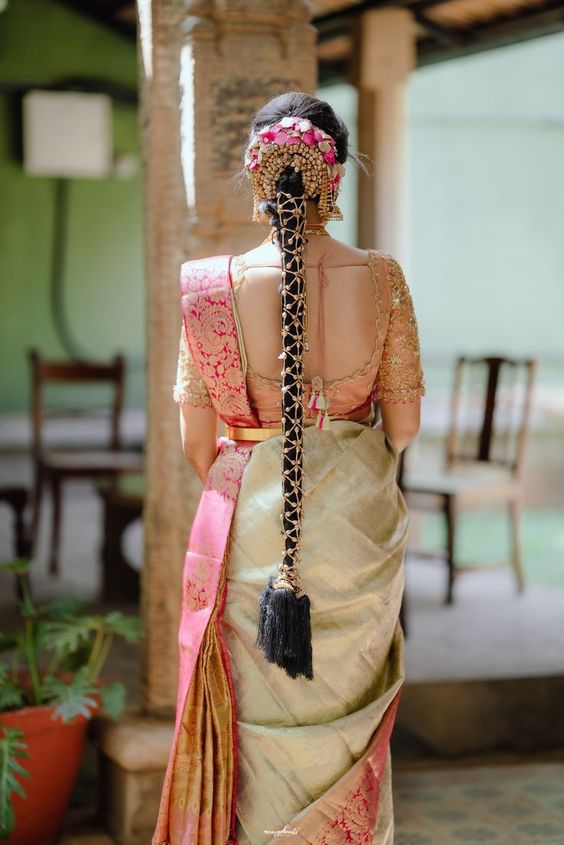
{"points": [[387, 56], [205, 68]]}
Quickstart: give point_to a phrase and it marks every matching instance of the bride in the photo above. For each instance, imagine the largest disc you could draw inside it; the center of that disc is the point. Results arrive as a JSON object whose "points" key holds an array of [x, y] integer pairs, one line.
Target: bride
{"points": [[290, 645]]}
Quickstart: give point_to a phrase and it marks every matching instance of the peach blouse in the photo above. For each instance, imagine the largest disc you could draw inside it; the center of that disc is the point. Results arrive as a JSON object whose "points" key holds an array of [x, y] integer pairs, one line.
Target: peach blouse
{"points": [[392, 374]]}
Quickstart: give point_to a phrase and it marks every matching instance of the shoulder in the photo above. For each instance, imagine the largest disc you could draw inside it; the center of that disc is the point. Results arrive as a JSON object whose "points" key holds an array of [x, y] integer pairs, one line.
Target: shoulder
{"points": [[193, 264], [201, 274]]}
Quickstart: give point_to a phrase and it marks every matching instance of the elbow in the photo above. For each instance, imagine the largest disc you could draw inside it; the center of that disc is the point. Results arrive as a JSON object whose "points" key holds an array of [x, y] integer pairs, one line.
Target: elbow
{"points": [[199, 457], [406, 434]]}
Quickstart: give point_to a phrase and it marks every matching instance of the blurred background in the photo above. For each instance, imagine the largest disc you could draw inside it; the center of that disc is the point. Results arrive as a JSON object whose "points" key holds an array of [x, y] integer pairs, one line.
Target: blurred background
{"points": [[458, 105]]}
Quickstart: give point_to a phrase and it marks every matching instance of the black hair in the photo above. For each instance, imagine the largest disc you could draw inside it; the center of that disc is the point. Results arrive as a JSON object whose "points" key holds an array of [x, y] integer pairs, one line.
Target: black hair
{"points": [[284, 628]]}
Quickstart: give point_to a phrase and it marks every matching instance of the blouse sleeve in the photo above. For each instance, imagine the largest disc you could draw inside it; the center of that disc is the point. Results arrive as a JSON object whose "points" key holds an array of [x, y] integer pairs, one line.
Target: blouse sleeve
{"points": [[190, 388], [400, 376]]}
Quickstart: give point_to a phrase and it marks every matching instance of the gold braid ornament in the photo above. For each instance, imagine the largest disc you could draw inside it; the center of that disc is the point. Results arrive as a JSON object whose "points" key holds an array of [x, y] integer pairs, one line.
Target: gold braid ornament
{"points": [[295, 142], [284, 631]]}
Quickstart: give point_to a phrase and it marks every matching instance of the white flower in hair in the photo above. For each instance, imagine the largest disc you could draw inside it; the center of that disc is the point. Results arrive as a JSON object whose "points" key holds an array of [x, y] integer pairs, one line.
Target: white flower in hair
{"points": [[287, 121], [304, 125]]}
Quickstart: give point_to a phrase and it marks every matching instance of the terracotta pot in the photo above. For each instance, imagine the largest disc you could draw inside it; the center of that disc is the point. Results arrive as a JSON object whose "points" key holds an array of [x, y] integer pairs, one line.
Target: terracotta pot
{"points": [[56, 749]]}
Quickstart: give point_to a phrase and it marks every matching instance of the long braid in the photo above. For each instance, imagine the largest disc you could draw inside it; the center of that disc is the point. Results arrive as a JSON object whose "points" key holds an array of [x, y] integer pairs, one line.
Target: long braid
{"points": [[284, 625]]}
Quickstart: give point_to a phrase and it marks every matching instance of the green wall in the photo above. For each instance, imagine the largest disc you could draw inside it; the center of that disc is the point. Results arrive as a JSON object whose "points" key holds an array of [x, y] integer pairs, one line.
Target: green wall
{"points": [[42, 42], [486, 169]]}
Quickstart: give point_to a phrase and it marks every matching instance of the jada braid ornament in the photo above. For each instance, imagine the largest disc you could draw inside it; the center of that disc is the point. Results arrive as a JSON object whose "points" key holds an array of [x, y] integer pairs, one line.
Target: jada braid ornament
{"points": [[295, 142], [284, 628]]}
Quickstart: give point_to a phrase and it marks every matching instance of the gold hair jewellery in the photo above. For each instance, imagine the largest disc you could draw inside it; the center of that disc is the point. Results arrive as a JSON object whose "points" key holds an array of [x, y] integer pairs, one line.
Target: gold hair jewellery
{"points": [[295, 142]]}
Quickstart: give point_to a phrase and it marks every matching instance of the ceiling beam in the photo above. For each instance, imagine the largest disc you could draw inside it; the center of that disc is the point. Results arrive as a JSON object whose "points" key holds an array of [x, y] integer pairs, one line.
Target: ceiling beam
{"points": [[523, 26]]}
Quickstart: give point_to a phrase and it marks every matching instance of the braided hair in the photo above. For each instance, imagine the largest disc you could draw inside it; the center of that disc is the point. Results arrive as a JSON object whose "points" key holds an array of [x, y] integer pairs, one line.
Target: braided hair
{"points": [[284, 628]]}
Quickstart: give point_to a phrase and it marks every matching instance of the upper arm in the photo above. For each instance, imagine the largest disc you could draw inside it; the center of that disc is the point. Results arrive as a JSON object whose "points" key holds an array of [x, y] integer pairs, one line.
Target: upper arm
{"points": [[198, 419], [399, 383]]}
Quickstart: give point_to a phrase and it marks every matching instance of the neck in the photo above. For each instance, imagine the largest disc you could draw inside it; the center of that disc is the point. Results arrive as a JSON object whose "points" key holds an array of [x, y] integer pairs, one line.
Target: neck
{"points": [[312, 215]]}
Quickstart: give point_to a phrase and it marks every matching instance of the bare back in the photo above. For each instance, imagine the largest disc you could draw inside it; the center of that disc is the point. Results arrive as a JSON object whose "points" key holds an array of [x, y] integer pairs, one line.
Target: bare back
{"points": [[348, 307]]}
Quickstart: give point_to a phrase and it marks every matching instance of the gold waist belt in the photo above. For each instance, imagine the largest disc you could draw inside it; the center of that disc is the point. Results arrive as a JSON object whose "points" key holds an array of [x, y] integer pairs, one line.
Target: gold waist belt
{"points": [[236, 433]]}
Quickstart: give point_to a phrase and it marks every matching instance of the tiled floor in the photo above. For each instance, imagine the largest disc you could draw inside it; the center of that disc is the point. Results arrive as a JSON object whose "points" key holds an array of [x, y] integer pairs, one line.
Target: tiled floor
{"points": [[495, 805]]}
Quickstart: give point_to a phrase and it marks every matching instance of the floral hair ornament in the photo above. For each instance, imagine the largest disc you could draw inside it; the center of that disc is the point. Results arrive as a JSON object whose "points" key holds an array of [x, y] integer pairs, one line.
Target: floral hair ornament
{"points": [[295, 142]]}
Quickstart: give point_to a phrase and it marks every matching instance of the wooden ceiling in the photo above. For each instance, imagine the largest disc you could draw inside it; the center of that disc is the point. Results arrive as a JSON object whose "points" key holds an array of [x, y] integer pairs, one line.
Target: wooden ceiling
{"points": [[445, 29]]}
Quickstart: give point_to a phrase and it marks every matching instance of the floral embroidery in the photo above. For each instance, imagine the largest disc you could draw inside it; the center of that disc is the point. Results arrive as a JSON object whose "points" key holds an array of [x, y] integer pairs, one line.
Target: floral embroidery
{"points": [[226, 472], [238, 268], [212, 334], [400, 377], [195, 586], [356, 820], [190, 388]]}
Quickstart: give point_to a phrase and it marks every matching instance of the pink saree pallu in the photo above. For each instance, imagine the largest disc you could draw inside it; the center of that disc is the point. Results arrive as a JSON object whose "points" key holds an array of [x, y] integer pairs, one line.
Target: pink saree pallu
{"points": [[258, 757]]}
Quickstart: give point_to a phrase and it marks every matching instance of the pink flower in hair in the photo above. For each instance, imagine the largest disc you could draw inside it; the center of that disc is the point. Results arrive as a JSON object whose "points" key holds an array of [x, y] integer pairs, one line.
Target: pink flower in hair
{"points": [[329, 157], [281, 138], [267, 135], [293, 139], [308, 139]]}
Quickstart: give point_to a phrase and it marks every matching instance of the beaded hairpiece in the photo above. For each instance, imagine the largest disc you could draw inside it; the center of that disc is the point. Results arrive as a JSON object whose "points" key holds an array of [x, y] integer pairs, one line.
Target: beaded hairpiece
{"points": [[295, 142]]}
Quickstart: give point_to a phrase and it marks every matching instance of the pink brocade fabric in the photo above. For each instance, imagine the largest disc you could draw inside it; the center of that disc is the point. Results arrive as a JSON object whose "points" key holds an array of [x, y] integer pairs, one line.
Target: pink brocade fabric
{"points": [[200, 580], [212, 335]]}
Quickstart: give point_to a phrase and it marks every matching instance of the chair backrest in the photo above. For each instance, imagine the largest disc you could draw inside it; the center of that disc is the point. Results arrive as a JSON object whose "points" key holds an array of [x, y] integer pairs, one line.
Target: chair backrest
{"points": [[44, 372], [490, 410]]}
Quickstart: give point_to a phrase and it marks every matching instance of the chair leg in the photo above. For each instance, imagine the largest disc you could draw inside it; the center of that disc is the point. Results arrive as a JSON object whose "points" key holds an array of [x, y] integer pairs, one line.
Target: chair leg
{"points": [[21, 530], [449, 511], [56, 525], [36, 500], [516, 564]]}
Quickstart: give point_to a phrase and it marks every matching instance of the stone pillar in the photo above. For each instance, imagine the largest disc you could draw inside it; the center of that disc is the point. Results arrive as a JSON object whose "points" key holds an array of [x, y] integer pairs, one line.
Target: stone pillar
{"points": [[387, 56], [171, 487], [205, 68], [235, 56]]}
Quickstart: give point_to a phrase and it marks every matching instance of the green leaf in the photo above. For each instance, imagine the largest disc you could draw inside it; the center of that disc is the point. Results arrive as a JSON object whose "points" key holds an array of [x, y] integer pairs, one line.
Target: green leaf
{"points": [[113, 699], [67, 635], [9, 641], [70, 699], [11, 694], [12, 745], [128, 627], [63, 608], [20, 566]]}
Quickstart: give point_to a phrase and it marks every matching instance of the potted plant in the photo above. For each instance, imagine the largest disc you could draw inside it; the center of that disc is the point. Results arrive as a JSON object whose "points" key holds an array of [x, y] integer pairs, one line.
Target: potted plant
{"points": [[49, 688]]}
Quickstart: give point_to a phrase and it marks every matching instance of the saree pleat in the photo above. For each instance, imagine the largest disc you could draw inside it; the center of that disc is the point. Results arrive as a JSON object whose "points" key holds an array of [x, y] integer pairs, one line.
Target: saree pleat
{"points": [[204, 767], [313, 751]]}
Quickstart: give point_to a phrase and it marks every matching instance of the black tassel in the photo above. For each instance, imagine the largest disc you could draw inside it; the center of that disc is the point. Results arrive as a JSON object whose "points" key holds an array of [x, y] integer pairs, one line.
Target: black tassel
{"points": [[284, 630]]}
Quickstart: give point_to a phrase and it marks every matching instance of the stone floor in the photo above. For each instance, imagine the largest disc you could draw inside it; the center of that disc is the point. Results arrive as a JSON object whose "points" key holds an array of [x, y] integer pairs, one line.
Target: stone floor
{"points": [[521, 804]]}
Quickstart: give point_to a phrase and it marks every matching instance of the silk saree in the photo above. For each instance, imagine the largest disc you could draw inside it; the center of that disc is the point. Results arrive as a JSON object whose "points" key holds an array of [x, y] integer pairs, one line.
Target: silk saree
{"points": [[258, 757]]}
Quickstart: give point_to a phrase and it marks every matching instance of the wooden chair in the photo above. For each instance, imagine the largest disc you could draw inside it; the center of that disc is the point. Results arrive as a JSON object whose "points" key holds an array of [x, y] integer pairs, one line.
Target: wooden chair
{"points": [[485, 446], [53, 466]]}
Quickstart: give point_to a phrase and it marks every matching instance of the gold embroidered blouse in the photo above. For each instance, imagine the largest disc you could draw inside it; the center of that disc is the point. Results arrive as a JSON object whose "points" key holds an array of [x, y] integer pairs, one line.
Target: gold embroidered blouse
{"points": [[393, 373]]}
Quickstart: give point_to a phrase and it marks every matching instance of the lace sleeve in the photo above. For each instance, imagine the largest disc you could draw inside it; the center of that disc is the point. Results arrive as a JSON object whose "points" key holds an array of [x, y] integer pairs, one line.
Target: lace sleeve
{"points": [[400, 376], [190, 388]]}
